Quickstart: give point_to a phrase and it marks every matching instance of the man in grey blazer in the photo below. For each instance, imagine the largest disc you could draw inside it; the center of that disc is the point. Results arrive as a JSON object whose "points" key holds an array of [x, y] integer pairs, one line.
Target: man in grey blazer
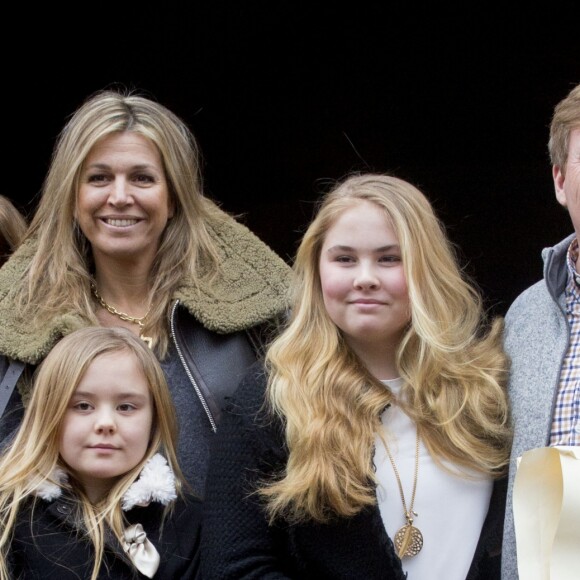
{"points": [[543, 327]]}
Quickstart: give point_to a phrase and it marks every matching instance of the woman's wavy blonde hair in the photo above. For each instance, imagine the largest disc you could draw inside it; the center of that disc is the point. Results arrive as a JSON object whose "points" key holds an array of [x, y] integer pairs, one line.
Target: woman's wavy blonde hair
{"points": [[58, 279], [32, 458], [452, 363], [12, 228]]}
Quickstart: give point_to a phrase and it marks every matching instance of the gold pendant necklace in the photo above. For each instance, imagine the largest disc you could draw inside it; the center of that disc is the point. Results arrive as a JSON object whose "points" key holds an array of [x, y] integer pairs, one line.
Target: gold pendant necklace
{"points": [[408, 540], [123, 316]]}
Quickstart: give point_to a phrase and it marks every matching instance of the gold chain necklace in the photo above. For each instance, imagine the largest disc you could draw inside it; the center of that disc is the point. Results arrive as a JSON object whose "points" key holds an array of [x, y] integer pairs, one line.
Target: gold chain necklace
{"points": [[408, 540], [123, 316]]}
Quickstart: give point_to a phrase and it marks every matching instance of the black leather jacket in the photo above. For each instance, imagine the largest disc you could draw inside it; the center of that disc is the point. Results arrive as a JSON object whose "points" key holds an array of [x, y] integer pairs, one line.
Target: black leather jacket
{"points": [[202, 354], [202, 368]]}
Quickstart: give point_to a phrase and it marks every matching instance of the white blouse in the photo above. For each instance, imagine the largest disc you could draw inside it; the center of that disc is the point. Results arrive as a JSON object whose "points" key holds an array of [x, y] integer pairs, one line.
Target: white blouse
{"points": [[451, 509]]}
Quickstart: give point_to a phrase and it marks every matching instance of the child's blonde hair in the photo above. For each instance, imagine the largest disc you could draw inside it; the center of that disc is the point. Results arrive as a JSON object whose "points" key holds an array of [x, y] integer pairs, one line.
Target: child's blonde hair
{"points": [[32, 458]]}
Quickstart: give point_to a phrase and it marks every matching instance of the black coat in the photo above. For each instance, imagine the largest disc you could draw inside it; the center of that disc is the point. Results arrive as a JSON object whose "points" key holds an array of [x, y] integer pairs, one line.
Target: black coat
{"points": [[50, 545], [237, 542]]}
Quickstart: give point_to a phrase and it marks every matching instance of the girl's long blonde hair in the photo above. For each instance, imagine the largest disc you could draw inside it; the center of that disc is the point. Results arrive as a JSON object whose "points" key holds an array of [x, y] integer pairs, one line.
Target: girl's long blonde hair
{"points": [[58, 279], [453, 365], [32, 458]]}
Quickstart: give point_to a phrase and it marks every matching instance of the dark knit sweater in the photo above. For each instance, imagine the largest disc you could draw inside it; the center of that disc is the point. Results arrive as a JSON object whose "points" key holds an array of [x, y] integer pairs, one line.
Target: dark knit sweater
{"points": [[237, 542]]}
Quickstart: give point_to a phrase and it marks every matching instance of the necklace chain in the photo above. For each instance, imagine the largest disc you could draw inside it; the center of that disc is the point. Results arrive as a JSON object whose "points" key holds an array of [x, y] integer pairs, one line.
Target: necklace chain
{"points": [[408, 540], [118, 313], [408, 512], [123, 315]]}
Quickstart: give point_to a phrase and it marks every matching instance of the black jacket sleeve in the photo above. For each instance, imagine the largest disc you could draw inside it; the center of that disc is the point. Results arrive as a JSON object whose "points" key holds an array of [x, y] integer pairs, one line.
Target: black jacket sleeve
{"points": [[237, 542]]}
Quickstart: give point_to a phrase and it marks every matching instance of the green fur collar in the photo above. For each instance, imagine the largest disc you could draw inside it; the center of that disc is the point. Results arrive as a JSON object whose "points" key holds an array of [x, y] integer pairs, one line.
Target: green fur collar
{"points": [[252, 290]]}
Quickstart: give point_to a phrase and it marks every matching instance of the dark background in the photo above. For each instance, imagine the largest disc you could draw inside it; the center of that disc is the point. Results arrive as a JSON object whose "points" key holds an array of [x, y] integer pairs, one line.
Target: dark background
{"points": [[285, 97]]}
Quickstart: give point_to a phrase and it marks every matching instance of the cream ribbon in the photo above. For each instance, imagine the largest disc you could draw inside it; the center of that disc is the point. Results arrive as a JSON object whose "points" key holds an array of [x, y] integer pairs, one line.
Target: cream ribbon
{"points": [[141, 551], [546, 504]]}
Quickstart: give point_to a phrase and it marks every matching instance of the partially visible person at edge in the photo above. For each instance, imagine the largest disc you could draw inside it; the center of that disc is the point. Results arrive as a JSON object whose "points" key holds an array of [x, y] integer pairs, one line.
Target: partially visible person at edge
{"points": [[12, 228], [381, 448], [90, 487], [542, 336], [123, 236]]}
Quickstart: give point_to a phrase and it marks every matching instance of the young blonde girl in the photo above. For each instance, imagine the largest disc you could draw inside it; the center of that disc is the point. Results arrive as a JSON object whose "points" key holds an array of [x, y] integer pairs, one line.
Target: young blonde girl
{"points": [[384, 397], [111, 509]]}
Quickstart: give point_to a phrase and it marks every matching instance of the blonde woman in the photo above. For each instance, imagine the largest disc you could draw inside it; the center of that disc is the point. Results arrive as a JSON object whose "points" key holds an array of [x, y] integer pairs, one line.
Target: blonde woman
{"points": [[91, 487], [12, 228], [375, 441], [123, 236]]}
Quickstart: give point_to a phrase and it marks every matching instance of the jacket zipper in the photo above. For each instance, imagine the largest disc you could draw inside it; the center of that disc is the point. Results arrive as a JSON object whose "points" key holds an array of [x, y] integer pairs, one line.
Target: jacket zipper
{"points": [[188, 372], [554, 296]]}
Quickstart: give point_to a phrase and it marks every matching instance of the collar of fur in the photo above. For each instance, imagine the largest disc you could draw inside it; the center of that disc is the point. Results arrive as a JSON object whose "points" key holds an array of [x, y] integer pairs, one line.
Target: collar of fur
{"points": [[156, 482], [251, 290]]}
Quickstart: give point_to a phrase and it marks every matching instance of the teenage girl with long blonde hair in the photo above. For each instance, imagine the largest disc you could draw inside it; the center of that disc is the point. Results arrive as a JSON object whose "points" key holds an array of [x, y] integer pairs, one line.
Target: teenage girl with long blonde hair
{"points": [[375, 440]]}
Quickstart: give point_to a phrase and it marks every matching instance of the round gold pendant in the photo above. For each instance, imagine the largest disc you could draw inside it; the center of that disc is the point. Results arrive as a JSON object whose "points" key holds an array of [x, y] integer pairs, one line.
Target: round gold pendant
{"points": [[408, 541]]}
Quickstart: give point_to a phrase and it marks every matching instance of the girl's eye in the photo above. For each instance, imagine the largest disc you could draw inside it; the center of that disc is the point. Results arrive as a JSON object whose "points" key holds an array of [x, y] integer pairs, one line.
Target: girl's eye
{"points": [[390, 259], [126, 407], [82, 406], [344, 259]]}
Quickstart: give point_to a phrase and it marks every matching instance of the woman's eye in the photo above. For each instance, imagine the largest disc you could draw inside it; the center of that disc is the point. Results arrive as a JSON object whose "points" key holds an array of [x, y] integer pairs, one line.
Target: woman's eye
{"points": [[143, 178], [97, 178], [344, 259]]}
